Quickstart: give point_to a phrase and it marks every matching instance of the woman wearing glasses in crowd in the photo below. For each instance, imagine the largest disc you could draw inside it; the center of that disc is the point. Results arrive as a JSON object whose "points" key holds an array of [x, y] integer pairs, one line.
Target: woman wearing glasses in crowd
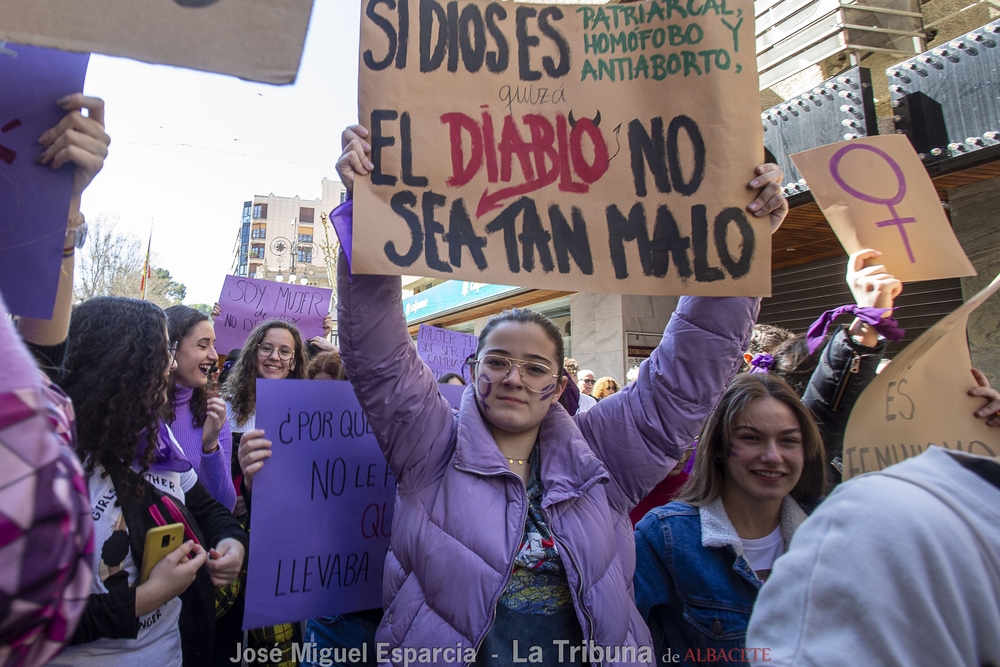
{"points": [[273, 351], [511, 524]]}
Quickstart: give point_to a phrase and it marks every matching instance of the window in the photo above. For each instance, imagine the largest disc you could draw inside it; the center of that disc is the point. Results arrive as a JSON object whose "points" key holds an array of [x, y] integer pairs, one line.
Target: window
{"points": [[343, 196], [259, 233], [257, 251], [305, 256], [306, 214], [305, 238], [260, 211]]}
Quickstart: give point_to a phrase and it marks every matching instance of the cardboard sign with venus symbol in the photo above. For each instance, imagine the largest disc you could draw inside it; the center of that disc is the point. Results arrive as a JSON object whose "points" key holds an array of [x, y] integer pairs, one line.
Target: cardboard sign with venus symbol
{"points": [[876, 194]]}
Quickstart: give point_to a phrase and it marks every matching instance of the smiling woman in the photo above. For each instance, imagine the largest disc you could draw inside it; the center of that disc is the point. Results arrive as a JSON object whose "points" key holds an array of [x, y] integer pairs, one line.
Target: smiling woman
{"points": [[701, 559]]}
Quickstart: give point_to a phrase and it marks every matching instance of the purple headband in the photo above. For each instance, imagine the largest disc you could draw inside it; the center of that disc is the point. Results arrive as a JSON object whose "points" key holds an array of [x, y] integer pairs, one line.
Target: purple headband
{"points": [[888, 327], [761, 363]]}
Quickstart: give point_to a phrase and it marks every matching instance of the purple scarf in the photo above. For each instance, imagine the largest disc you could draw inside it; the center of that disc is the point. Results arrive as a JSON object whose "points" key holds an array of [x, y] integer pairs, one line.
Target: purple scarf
{"points": [[888, 327], [168, 454]]}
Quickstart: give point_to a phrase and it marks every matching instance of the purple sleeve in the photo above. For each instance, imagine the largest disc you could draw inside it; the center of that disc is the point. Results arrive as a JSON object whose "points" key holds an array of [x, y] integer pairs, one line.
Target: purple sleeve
{"points": [[641, 432], [45, 524], [216, 470]]}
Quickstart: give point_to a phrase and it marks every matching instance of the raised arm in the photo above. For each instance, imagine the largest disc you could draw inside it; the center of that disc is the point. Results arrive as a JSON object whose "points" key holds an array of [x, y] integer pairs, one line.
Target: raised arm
{"points": [[641, 432], [412, 422]]}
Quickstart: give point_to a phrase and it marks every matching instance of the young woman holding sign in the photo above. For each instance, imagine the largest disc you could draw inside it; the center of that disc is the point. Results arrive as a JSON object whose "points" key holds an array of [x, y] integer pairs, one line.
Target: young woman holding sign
{"points": [[511, 528]]}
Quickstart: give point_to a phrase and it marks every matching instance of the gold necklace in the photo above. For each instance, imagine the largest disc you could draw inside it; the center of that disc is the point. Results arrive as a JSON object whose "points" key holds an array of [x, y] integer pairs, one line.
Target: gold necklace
{"points": [[518, 461]]}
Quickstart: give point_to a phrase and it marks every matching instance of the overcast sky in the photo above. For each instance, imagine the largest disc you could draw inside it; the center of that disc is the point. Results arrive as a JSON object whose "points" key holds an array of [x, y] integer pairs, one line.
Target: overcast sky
{"points": [[188, 148]]}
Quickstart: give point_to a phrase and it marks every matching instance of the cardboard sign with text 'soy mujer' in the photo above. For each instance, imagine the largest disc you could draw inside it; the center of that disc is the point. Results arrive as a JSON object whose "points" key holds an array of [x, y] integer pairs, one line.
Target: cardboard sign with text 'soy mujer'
{"points": [[921, 399], [601, 148], [876, 194]]}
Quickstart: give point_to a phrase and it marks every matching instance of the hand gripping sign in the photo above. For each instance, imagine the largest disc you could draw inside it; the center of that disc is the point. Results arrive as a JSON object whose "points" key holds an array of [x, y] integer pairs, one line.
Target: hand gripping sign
{"points": [[598, 148], [921, 399], [876, 194]]}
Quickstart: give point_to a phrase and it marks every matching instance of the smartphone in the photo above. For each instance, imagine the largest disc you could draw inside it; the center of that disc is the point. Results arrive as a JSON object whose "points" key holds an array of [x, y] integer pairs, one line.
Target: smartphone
{"points": [[160, 541]]}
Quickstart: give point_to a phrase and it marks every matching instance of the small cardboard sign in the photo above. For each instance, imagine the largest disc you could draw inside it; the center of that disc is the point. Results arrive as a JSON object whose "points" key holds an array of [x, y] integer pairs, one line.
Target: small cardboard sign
{"points": [[445, 351], [260, 40], [246, 302], [322, 505], [921, 399], [598, 148], [35, 198], [876, 194]]}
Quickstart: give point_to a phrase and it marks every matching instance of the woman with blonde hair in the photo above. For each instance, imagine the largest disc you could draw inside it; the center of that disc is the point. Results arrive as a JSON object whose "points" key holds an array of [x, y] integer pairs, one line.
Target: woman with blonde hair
{"points": [[701, 559], [605, 387]]}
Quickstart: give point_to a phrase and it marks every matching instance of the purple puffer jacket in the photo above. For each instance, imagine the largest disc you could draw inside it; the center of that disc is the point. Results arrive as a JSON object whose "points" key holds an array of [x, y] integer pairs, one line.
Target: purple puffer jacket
{"points": [[460, 511]]}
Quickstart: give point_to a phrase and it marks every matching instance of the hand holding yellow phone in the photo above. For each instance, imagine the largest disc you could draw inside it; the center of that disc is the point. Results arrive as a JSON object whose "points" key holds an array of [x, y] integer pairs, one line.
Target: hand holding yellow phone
{"points": [[160, 541]]}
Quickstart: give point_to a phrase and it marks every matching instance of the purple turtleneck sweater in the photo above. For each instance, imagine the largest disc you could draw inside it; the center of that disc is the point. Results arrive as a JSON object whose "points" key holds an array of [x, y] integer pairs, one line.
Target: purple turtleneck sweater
{"points": [[213, 469]]}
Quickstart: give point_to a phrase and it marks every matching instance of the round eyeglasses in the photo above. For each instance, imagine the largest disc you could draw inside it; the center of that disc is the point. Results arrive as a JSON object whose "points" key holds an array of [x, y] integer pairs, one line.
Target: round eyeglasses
{"points": [[535, 376], [265, 350]]}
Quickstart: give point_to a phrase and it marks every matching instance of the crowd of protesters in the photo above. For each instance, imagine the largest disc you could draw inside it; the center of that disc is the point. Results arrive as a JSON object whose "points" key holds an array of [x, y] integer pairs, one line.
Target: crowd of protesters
{"points": [[636, 523]]}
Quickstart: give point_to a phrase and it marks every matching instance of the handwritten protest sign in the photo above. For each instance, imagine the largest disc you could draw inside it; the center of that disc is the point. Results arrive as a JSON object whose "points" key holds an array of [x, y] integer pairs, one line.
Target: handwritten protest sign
{"points": [[876, 194], [921, 399], [596, 148], [322, 505], [35, 198], [260, 40], [246, 302], [445, 351]]}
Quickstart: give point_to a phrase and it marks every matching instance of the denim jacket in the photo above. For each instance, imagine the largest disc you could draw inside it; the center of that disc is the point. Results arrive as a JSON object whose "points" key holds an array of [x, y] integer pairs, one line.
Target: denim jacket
{"points": [[693, 586]]}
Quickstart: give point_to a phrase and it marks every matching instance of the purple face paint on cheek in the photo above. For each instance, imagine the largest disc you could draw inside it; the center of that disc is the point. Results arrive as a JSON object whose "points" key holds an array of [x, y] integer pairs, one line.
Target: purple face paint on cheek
{"points": [[546, 393], [483, 394]]}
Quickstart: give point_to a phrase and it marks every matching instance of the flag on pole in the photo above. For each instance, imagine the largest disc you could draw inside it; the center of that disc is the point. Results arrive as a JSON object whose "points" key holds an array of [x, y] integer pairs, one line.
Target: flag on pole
{"points": [[146, 268]]}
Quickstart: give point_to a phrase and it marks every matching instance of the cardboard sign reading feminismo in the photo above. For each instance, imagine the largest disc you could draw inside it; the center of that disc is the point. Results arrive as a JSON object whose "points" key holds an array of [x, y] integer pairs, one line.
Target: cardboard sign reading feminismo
{"points": [[322, 505], [35, 197], [921, 399], [876, 194], [571, 147], [260, 40], [246, 302], [445, 351]]}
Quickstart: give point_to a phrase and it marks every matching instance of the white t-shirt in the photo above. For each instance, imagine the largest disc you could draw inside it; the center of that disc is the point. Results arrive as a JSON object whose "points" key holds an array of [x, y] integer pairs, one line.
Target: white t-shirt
{"points": [[159, 638], [761, 553], [249, 425]]}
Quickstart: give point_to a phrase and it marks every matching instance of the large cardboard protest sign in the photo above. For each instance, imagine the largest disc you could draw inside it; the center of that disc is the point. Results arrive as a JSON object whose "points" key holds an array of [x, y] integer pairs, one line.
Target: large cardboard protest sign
{"points": [[445, 351], [921, 399], [246, 302], [260, 40], [876, 194], [571, 147], [34, 199], [322, 505]]}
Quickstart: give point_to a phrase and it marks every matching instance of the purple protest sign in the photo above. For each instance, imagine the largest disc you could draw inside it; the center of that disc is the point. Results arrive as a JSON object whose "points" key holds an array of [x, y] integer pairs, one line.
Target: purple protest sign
{"points": [[246, 302], [445, 351], [35, 199], [322, 506]]}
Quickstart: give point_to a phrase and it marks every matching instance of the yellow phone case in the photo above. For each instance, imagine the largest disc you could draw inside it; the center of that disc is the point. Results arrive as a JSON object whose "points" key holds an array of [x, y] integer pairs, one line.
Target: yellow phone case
{"points": [[159, 542]]}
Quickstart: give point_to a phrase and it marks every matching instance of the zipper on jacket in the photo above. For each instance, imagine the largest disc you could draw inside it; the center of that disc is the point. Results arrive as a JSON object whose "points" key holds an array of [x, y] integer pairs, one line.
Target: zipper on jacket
{"points": [[842, 389], [510, 566], [579, 593]]}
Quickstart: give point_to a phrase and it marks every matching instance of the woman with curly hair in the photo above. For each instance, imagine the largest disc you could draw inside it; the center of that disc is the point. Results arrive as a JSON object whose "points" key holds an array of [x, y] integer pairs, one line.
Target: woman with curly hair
{"points": [[196, 416], [605, 387], [118, 367]]}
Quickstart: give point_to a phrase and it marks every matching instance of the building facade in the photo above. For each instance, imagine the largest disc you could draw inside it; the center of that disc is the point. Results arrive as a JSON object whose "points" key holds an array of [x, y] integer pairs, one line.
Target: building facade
{"points": [[283, 238]]}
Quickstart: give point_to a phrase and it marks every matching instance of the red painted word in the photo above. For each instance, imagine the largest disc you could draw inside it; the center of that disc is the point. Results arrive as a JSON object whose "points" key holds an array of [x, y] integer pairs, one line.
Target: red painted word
{"points": [[734, 655], [553, 153]]}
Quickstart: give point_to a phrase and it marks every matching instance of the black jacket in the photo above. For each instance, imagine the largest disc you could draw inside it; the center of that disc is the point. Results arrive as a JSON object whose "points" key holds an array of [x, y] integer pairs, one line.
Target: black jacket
{"points": [[843, 371]]}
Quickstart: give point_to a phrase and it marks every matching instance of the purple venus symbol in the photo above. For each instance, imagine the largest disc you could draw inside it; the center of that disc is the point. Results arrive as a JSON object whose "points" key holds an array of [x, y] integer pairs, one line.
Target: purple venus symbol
{"points": [[890, 202]]}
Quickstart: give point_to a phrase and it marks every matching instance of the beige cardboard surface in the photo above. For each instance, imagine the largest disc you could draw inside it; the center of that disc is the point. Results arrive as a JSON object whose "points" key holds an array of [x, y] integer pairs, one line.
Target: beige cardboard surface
{"points": [[876, 194], [260, 40], [505, 143], [921, 399]]}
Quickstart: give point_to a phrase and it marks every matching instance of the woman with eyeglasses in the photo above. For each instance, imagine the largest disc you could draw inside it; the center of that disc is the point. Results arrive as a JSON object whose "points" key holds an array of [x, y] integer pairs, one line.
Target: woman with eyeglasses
{"points": [[511, 526], [273, 351]]}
